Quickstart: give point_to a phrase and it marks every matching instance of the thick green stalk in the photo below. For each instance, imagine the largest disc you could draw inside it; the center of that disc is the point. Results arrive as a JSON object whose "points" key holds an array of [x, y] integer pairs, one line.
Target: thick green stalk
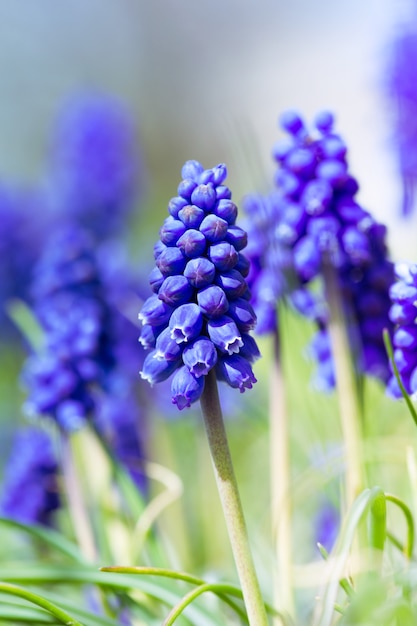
{"points": [[76, 504], [230, 500], [346, 386], [280, 483], [377, 526]]}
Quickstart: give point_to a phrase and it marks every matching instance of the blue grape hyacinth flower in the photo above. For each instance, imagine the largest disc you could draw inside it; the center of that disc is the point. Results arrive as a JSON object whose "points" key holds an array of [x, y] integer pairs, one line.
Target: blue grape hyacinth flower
{"points": [[78, 348], [95, 172], [270, 258], [366, 302], [403, 313], [30, 489], [79, 294], [319, 211], [23, 224], [400, 87], [199, 316], [318, 219]]}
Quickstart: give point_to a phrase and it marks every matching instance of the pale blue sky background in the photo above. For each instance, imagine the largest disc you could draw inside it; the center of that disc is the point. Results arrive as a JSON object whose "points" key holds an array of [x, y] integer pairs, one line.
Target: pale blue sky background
{"points": [[206, 80]]}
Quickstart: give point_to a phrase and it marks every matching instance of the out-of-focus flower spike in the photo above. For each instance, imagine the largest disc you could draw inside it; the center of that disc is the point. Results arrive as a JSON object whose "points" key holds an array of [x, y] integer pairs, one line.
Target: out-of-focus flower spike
{"points": [[30, 489]]}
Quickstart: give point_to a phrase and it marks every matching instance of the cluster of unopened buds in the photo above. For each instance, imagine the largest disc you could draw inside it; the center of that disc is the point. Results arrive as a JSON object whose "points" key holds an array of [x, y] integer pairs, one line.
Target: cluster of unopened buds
{"points": [[199, 317]]}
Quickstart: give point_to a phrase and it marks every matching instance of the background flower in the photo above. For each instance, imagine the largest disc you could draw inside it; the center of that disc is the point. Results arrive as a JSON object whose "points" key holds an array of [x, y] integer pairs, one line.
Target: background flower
{"points": [[95, 172], [30, 492]]}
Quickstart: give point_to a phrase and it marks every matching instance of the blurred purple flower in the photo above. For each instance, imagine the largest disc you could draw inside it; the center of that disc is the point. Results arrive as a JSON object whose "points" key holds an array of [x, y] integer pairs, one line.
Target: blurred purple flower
{"points": [[270, 258], [23, 227], [326, 525], [30, 489], [321, 216], [96, 171], [400, 86], [85, 342], [403, 314]]}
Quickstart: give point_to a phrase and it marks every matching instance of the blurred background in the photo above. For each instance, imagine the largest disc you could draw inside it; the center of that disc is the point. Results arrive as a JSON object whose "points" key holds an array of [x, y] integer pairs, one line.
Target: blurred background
{"points": [[205, 81]]}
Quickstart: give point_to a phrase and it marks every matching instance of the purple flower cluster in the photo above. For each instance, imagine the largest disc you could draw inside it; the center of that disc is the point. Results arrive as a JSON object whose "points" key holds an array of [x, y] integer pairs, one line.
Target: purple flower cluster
{"points": [[400, 84], [87, 366], [320, 351], [77, 352], [270, 260], [321, 214], [367, 292], [322, 217], [403, 313], [95, 164], [312, 214], [22, 228], [366, 303], [30, 490], [199, 316]]}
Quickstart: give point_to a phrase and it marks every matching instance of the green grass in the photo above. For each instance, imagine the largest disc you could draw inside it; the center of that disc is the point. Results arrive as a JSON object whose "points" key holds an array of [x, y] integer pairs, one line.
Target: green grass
{"points": [[189, 533]]}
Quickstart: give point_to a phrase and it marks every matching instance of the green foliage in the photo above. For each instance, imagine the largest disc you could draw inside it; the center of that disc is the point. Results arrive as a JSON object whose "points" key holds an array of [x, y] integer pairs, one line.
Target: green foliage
{"points": [[369, 577]]}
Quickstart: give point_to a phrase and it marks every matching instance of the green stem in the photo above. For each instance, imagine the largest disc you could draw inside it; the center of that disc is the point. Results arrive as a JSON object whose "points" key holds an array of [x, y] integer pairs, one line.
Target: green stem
{"points": [[155, 571], [377, 525], [76, 504], [230, 500], [26, 322], [331, 579], [396, 542], [343, 582], [409, 546], [34, 598], [377, 519], [218, 588], [346, 385], [184, 576], [280, 482], [172, 492]]}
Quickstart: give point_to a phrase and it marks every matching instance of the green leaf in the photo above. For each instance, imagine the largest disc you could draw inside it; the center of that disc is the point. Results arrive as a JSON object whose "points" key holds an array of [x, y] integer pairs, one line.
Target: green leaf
{"points": [[52, 538], [62, 616], [324, 614], [87, 618], [409, 546], [221, 589], [368, 598], [156, 571], [186, 601], [26, 322], [344, 582], [41, 574], [377, 520], [14, 612]]}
